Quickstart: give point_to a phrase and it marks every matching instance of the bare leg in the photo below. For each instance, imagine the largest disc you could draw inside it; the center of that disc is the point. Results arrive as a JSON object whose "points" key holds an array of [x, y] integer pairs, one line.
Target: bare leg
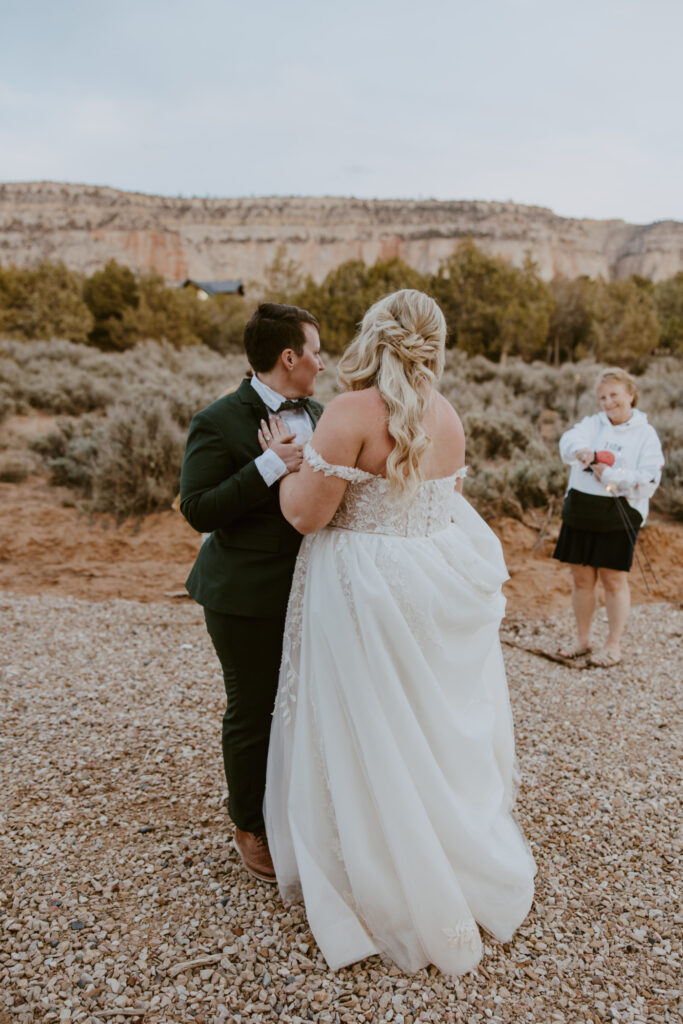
{"points": [[584, 578], [618, 605]]}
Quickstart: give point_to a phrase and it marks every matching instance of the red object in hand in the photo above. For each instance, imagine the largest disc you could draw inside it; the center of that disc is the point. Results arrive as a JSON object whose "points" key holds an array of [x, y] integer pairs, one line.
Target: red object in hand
{"points": [[605, 457]]}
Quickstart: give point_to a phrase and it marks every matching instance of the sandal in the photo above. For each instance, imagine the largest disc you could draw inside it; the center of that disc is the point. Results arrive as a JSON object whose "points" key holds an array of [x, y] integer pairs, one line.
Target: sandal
{"points": [[604, 659]]}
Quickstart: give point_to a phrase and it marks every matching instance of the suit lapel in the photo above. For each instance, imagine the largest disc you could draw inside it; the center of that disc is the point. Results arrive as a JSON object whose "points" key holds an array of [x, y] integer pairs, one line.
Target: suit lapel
{"points": [[250, 397], [314, 410], [254, 412]]}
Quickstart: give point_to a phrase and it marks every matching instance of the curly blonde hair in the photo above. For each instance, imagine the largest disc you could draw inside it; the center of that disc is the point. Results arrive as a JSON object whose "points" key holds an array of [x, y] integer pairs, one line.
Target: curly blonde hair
{"points": [[400, 351]]}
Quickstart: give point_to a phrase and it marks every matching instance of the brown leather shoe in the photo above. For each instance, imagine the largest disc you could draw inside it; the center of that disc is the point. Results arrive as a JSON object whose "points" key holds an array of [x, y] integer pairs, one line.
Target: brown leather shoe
{"points": [[253, 849]]}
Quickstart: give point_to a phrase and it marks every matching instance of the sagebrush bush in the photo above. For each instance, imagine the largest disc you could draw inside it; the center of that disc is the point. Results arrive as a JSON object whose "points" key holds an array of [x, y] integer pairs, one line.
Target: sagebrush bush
{"points": [[7, 404], [70, 452], [15, 466], [126, 464], [120, 461], [63, 378], [504, 405], [494, 434], [137, 466]]}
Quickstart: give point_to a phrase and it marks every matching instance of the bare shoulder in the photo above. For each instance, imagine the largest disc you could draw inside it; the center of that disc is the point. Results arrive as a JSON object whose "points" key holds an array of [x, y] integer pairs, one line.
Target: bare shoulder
{"points": [[358, 406], [349, 419], [366, 398], [448, 415]]}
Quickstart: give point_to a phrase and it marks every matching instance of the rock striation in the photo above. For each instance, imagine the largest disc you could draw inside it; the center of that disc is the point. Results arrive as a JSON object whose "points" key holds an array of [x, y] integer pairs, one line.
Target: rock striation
{"points": [[216, 239]]}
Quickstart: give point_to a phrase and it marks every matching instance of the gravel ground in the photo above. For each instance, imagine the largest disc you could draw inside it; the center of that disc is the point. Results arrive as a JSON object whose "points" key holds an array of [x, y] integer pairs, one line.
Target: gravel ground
{"points": [[122, 898]]}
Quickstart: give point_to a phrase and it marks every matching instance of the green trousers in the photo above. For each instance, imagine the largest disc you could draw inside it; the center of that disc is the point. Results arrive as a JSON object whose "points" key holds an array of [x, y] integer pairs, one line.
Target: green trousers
{"points": [[249, 651]]}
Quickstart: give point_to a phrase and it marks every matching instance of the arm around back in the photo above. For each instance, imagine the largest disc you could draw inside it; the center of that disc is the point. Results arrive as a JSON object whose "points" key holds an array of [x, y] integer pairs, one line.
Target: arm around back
{"points": [[213, 492]]}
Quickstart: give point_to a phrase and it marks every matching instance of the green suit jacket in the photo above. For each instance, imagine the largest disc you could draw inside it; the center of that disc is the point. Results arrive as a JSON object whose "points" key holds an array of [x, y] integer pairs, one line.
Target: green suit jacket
{"points": [[245, 567]]}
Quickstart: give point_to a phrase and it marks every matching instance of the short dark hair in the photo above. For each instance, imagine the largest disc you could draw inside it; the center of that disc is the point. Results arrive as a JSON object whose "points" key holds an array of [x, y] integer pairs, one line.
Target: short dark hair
{"points": [[273, 328]]}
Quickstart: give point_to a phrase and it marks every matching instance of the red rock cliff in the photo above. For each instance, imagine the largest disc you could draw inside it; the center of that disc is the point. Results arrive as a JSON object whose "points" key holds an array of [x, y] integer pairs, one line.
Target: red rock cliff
{"points": [[227, 238]]}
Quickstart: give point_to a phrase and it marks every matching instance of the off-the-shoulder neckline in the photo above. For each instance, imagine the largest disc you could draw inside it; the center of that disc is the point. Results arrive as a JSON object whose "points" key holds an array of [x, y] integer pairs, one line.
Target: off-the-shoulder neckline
{"points": [[378, 476]]}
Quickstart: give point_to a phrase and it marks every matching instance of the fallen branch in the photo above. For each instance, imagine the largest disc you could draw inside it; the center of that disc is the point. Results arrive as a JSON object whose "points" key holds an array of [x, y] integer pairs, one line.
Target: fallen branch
{"points": [[201, 961], [544, 525], [550, 655], [123, 1011]]}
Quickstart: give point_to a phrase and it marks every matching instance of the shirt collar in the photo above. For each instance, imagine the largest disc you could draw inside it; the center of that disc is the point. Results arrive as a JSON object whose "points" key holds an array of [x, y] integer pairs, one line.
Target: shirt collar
{"points": [[271, 399]]}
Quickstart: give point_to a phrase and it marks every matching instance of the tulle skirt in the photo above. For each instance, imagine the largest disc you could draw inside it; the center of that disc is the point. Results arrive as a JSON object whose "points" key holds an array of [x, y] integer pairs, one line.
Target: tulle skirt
{"points": [[391, 767]]}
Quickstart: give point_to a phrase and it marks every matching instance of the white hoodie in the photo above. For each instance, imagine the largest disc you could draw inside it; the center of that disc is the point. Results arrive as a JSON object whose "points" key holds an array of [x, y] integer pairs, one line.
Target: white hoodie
{"points": [[638, 458]]}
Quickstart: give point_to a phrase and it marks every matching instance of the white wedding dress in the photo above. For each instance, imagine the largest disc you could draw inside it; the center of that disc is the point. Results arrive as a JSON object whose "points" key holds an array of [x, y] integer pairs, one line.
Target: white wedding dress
{"points": [[391, 761]]}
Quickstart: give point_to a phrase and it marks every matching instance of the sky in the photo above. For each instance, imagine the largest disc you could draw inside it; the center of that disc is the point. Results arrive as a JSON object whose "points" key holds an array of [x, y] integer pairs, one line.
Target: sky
{"points": [[573, 105]]}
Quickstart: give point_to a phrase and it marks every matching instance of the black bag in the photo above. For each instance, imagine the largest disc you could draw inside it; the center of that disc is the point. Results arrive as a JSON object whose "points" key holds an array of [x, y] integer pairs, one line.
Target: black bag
{"points": [[595, 512]]}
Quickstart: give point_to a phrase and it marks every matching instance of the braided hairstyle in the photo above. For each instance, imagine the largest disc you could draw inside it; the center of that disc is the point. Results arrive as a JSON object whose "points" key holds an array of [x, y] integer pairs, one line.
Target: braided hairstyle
{"points": [[400, 351]]}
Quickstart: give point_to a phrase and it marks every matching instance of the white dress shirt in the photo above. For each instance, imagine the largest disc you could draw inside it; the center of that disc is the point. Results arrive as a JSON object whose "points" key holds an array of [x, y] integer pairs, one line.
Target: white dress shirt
{"points": [[298, 422]]}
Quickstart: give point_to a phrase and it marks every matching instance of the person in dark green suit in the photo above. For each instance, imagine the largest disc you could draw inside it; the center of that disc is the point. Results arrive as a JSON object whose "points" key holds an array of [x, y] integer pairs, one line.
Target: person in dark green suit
{"points": [[243, 573]]}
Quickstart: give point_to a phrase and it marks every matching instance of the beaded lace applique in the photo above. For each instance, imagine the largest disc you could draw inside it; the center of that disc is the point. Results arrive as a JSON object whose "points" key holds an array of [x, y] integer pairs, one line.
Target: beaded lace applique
{"points": [[370, 506]]}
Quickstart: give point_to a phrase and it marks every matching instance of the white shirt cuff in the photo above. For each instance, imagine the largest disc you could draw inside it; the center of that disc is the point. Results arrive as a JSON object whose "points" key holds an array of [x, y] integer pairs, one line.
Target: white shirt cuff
{"points": [[270, 466]]}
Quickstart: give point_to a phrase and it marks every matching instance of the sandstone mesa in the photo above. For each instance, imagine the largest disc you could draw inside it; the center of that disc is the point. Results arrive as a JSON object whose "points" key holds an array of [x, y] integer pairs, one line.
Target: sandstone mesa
{"points": [[216, 239]]}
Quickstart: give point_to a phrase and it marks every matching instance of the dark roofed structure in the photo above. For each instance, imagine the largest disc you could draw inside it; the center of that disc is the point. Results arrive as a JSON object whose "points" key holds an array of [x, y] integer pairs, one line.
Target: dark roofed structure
{"points": [[206, 288]]}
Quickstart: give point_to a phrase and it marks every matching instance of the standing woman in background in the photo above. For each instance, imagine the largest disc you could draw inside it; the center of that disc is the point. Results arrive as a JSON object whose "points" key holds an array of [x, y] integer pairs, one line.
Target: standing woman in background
{"points": [[616, 461]]}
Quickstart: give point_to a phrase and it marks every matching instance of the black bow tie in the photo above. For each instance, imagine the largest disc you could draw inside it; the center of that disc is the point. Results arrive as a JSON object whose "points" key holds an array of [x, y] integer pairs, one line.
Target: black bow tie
{"points": [[292, 403]]}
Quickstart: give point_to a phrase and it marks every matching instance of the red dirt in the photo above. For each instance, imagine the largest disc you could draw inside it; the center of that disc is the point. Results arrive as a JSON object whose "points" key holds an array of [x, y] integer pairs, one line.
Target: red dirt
{"points": [[48, 546]]}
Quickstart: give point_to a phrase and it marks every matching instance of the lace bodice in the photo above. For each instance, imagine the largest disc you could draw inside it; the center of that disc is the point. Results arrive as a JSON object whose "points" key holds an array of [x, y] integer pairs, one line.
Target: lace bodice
{"points": [[369, 506]]}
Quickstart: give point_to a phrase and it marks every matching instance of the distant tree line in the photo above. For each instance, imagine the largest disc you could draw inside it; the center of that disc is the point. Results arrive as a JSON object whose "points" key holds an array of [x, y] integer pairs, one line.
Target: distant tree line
{"points": [[492, 307], [113, 309]]}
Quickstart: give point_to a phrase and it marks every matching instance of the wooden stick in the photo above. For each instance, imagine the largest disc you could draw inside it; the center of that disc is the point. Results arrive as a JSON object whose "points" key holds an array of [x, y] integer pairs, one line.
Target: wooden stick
{"points": [[125, 1011], [201, 961], [550, 655], [544, 525]]}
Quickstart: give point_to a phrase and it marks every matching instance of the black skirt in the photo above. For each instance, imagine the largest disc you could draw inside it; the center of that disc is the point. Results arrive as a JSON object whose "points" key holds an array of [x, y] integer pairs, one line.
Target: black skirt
{"points": [[597, 531]]}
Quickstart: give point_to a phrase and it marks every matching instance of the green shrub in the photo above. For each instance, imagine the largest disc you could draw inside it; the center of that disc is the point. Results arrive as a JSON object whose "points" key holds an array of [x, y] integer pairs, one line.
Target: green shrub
{"points": [[113, 298], [668, 296], [624, 328], [43, 302], [492, 307], [341, 300]]}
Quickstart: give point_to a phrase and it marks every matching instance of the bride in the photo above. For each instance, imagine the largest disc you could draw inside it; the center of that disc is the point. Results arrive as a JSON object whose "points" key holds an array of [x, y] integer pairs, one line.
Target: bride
{"points": [[391, 762]]}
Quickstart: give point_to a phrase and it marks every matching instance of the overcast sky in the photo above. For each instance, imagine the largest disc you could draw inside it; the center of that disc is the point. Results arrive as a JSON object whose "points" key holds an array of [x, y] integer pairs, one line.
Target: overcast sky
{"points": [[574, 105]]}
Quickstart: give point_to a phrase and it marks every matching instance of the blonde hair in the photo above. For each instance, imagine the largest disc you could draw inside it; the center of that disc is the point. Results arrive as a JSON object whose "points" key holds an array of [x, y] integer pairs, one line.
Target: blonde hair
{"points": [[400, 351], [621, 376]]}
